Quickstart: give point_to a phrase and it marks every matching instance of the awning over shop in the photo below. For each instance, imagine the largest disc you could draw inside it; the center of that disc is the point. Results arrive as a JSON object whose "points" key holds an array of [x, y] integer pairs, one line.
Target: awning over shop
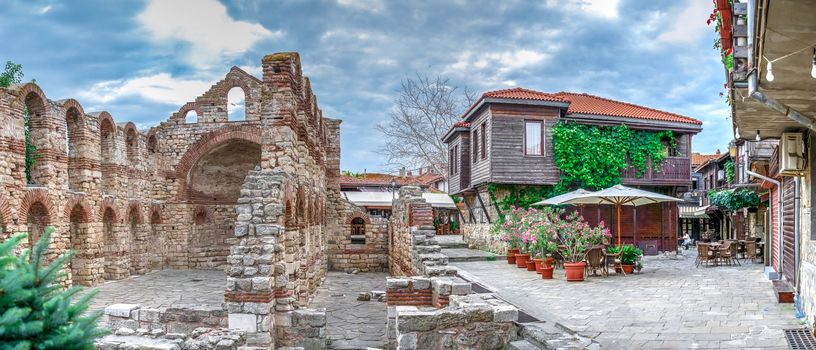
{"points": [[383, 199], [693, 212]]}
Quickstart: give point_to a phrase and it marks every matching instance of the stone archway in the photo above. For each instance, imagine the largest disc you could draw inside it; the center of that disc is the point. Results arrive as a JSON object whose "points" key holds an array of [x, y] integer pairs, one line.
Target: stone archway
{"points": [[82, 271]]}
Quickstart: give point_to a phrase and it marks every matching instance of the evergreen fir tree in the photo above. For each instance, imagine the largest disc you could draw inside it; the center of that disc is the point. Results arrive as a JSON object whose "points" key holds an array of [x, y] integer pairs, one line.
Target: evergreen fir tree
{"points": [[35, 311]]}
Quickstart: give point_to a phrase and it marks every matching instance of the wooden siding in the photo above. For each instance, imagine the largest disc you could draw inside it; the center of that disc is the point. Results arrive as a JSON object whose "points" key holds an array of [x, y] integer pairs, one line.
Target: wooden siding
{"points": [[480, 169], [454, 180], [507, 160], [461, 180], [653, 222], [673, 171], [788, 229]]}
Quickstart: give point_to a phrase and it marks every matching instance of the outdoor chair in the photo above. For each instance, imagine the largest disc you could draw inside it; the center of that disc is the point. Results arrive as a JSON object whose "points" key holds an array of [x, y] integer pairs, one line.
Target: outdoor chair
{"points": [[750, 251], [614, 260], [596, 261], [727, 253], [704, 254]]}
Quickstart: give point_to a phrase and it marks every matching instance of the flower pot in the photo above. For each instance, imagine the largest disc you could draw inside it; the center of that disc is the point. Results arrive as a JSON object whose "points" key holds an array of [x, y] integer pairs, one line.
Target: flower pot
{"points": [[521, 260], [628, 269], [549, 262], [574, 271], [531, 265], [547, 272], [539, 263], [511, 255]]}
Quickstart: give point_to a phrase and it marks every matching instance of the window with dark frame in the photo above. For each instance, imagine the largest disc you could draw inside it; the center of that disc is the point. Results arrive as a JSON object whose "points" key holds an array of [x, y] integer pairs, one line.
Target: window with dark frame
{"points": [[533, 137], [456, 159], [451, 153], [475, 136], [483, 140]]}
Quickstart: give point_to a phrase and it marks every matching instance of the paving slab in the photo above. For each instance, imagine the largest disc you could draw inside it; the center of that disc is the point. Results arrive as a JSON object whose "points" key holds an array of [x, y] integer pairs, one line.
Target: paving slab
{"points": [[671, 304], [464, 254], [352, 324]]}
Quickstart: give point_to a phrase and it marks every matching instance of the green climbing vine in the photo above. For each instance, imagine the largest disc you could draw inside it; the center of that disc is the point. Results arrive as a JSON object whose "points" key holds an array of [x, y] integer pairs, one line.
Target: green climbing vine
{"points": [[734, 199], [592, 157], [728, 168], [13, 74]]}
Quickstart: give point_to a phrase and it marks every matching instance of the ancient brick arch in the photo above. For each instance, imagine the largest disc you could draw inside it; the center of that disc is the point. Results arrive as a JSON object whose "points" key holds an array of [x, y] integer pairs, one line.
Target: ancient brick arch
{"points": [[202, 215], [27, 93], [105, 121], [208, 142], [32, 197], [109, 203], [135, 208], [78, 200], [5, 212], [67, 104], [155, 213], [355, 214], [189, 106]]}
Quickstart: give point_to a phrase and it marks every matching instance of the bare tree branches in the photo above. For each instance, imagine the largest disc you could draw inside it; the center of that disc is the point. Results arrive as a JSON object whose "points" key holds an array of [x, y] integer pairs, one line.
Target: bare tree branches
{"points": [[424, 110]]}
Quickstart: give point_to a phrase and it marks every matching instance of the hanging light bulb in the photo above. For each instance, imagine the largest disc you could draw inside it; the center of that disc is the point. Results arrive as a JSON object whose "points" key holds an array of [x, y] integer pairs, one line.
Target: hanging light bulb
{"points": [[813, 65], [757, 137], [769, 74], [736, 133]]}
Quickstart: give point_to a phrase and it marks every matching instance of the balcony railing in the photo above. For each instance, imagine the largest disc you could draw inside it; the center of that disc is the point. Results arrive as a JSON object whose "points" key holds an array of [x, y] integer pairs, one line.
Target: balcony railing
{"points": [[673, 170]]}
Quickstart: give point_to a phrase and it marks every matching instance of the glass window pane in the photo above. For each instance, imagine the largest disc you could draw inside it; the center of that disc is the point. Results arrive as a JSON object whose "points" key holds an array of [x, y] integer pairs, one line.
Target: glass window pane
{"points": [[532, 138]]}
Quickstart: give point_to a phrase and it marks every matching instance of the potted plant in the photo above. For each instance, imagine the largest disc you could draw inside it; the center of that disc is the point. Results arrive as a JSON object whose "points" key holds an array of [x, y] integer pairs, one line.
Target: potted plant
{"points": [[513, 243], [629, 257], [576, 237], [524, 252], [544, 245], [614, 251], [454, 226]]}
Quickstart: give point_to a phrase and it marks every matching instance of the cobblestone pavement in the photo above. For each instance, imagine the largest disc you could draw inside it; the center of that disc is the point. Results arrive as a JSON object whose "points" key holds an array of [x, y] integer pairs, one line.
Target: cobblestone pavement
{"points": [[670, 305], [164, 288], [352, 324]]}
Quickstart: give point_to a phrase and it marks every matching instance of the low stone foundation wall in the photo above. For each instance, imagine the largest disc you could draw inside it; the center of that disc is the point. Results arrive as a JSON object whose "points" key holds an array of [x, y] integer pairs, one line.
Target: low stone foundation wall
{"points": [[301, 328], [200, 339], [479, 236], [476, 321], [424, 291], [182, 319]]}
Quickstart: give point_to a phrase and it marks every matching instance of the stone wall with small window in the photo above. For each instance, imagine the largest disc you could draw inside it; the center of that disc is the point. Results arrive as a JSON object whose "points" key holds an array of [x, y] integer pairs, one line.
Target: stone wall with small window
{"points": [[360, 242]]}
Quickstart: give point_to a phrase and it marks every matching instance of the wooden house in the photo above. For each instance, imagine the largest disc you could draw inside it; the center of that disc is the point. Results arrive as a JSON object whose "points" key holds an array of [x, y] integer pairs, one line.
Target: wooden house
{"points": [[506, 138]]}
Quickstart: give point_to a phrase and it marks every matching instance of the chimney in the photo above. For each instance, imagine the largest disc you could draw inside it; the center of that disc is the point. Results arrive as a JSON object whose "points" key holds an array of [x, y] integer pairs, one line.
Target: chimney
{"points": [[402, 172], [409, 173], [718, 151]]}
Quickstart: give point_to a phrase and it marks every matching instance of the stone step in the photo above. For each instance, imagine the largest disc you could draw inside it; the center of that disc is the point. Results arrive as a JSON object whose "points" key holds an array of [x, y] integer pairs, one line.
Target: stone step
{"points": [[783, 291], [425, 249], [521, 345], [460, 255], [549, 335], [440, 270], [437, 258]]}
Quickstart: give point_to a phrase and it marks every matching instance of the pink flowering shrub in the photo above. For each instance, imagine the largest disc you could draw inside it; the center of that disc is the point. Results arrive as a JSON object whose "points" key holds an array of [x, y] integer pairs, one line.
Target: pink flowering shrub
{"points": [[543, 231]]}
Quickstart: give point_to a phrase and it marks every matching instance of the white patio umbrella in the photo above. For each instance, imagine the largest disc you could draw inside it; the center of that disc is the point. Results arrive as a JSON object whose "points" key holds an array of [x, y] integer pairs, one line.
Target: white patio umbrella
{"points": [[561, 198], [619, 196]]}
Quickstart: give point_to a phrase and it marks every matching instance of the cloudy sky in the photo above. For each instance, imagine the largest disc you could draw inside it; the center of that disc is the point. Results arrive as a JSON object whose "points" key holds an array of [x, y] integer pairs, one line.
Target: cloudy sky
{"points": [[142, 59]]}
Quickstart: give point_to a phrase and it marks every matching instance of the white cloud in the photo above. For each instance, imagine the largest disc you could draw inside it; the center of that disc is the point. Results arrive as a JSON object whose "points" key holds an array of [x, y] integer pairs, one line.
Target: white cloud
{"points": [[607, 9], [503, 62], [212, 35], [367, 5], [45, 9], [161, 88], [689, 24]]}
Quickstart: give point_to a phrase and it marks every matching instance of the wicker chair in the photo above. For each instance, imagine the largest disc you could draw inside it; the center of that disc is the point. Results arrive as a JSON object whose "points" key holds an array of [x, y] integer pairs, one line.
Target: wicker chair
{"points": [[596, 261], [614, 260], [727, 253], [750, 251], [704, 254]]}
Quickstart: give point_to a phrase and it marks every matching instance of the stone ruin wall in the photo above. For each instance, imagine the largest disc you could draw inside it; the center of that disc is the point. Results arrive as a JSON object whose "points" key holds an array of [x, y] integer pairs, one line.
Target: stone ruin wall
{"points": [[369, 257], [128, 201]]}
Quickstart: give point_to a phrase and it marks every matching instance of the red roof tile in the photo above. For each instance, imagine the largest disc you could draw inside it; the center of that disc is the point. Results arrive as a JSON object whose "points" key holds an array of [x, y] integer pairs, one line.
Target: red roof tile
{"points": [[697, 158], [523, 94], [589, 104], [378, 179], [461, 124]]}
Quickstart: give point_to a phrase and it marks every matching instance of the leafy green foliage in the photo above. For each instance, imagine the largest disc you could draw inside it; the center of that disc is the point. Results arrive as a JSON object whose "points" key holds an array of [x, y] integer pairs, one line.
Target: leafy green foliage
{"points": [[13, 74], [630, 254], [35, 312], [728, 168], [517, 196], [351, 174], [592, 157], [734, 199]]}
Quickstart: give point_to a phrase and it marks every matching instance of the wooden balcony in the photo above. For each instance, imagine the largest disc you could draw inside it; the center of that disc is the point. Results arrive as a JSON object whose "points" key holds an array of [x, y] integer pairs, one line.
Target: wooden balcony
{"points": [[673, 171]]}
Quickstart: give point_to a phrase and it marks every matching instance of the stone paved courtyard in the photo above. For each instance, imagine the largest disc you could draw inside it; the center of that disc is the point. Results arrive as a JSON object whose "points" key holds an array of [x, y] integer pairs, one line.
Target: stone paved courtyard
{"points": [[670, 305], [164, 288], [352, 324]]}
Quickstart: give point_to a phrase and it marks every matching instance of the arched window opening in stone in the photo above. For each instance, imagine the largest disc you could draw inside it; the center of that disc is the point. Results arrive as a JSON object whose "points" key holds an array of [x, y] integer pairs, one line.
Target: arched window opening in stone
{"points": [[37, 137], [82, 272], [358, 230], [191, 117], [152, 144], [37, 219], [132, 144], [291, 221], [217, 176], [157, 256], [109, 243], [201, 217], [73, 136], [236, 104], [133, 226]]}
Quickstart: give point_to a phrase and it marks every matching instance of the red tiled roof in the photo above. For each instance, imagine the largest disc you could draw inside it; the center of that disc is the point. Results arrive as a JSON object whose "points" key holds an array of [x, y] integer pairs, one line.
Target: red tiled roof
{"points": [[463, 124], [378, 179], [589, 104], [697, 158], [523, 94]]}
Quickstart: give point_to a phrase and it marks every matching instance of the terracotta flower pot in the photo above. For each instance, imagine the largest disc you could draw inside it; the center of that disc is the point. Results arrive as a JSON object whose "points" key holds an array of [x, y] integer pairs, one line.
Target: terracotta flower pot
{"points": [[511, 255], [574, 271], [539, 263], [547, 272], [549, 262], [531, 265], [521, 260], [628, 269]]}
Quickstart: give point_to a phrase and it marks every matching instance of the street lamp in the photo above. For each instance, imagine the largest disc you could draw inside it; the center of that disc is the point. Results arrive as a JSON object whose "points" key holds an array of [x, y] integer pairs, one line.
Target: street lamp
{"points": [[393, 188]]}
